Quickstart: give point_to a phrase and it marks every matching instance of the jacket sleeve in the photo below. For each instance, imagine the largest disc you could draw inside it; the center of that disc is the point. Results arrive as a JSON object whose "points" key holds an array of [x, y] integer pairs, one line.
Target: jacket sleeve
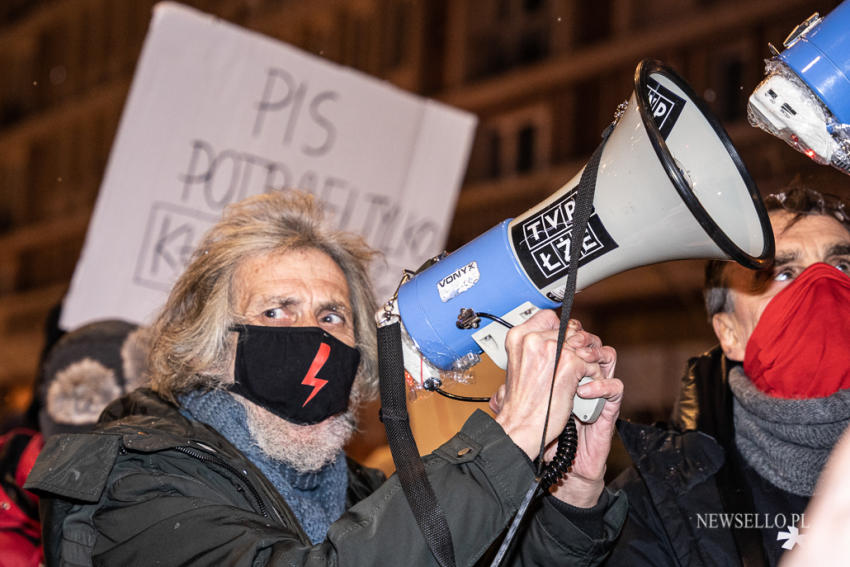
{"points": [[480, 477], [559, 534], [158, 511]]}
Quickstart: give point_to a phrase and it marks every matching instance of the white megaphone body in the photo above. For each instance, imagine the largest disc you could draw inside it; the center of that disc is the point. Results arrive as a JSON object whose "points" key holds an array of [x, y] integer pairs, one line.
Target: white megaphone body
{"points": [[669, 186]]}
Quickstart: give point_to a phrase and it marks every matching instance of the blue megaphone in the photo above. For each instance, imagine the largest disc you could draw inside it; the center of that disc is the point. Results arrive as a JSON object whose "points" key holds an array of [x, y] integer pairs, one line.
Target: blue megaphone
{"points": [[669, 186], [805, 96]]}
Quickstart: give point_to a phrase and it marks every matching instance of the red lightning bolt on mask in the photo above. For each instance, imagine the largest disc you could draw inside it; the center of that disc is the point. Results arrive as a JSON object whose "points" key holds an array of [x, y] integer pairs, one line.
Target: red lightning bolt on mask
{"points": [[310, 379], [274, 363]]}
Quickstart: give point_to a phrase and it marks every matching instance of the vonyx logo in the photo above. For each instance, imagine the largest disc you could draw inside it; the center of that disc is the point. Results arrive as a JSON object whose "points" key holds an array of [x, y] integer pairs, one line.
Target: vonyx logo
{"points": [[310, 379], [458, 281]]}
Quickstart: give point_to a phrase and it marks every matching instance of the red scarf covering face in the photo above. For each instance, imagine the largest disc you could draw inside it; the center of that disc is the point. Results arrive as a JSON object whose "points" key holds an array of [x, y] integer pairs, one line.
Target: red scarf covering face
{"points": [[800, 348]]}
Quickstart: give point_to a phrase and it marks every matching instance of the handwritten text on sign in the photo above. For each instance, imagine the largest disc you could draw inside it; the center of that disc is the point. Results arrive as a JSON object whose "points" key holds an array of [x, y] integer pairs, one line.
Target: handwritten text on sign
{"points": [[217, 113]]}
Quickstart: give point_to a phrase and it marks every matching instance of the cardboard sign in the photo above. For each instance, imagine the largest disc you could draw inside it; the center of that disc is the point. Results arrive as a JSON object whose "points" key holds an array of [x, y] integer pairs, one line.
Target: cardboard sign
{"points": [[217, 113]]}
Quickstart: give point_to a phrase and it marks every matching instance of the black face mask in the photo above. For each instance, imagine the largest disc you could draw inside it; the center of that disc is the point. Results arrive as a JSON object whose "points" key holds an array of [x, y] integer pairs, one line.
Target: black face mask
{"points": [[301, 374]]}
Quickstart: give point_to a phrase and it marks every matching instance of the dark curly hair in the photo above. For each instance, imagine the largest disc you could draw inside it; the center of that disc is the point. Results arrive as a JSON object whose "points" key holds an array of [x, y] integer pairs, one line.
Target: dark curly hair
{"points": [[798, 199]]}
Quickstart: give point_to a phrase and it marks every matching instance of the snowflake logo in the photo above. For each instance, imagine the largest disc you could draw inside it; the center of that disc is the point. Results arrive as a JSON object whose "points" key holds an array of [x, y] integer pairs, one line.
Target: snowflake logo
{"points": [[792, 537]]}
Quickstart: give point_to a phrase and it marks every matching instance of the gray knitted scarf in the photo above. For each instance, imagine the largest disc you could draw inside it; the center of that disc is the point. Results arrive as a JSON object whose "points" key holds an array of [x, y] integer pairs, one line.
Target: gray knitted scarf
{"points": [[317, 498], [787, 441]]}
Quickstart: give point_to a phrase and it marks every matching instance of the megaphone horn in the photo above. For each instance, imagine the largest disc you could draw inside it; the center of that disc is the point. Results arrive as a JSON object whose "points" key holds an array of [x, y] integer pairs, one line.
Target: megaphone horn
{"points": [[669, 186]]}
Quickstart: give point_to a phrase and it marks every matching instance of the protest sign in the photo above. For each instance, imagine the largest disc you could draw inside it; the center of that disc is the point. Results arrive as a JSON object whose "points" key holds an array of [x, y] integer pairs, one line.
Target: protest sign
{"points": [[216, 113]]}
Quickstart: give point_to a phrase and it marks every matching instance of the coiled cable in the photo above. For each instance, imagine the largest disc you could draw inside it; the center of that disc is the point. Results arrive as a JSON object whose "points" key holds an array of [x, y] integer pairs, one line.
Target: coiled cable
{"points": [[565, 454]]}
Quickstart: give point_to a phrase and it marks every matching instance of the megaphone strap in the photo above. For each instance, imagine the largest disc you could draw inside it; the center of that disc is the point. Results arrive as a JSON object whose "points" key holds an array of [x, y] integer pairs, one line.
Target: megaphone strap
{"points": [[411, 471], [584, 208]]}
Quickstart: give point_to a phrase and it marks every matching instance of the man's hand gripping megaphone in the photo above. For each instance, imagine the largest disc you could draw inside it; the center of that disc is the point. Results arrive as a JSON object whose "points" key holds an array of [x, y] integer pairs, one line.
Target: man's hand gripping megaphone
{"points": [[517, 403]]}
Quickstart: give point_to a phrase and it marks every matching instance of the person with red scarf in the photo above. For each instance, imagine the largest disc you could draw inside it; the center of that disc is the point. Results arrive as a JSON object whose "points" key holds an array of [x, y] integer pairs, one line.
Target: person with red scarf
{"points": [[729, 481]]}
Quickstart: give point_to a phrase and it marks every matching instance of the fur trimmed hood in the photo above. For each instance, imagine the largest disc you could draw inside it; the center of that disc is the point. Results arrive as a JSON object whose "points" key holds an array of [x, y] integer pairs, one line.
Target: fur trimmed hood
{"points": [[88, 368]]}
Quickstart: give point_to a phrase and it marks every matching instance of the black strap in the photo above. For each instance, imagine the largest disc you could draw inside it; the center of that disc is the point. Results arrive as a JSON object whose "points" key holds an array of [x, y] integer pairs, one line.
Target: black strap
{"points": [[409, 468], [585, 190]]}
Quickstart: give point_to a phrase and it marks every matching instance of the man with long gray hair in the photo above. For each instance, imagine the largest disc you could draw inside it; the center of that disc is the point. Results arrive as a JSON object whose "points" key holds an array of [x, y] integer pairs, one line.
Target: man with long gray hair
{"points": [[260, 358]]}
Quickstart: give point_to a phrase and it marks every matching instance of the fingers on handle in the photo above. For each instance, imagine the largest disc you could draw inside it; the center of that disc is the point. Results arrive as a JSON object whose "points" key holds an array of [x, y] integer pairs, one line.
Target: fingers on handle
{"points": [[611, 389], [543, 320]]}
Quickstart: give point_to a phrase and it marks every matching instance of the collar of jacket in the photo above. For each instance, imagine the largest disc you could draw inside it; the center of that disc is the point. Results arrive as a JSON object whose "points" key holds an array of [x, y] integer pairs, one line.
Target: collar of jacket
{"points": [[142, 428], [147, 423], [705, 399], [140, 422], [669, 460], [144, 422]]}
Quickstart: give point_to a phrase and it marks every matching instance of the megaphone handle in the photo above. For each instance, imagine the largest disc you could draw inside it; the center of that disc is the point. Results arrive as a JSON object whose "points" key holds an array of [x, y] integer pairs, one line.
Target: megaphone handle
{"points": [[587, 409]]}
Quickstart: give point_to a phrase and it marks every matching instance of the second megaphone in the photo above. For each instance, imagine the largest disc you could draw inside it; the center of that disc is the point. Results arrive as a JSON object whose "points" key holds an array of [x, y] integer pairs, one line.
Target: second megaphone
{"points": [[669, 186]]}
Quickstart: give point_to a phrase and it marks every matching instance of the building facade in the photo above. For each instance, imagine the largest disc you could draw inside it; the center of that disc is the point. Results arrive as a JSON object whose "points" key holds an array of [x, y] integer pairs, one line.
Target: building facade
{"points": [[543, 76]]}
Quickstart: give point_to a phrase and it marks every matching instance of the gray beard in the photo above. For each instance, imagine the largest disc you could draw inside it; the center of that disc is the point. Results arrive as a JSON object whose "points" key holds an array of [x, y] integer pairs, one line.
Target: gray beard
{"points": [[306, 448]]}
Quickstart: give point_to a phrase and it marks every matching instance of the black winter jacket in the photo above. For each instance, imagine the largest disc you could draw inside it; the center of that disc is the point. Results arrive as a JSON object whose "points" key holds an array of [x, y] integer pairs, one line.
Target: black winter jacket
{"points": [[156, 488], [686, 483]]}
